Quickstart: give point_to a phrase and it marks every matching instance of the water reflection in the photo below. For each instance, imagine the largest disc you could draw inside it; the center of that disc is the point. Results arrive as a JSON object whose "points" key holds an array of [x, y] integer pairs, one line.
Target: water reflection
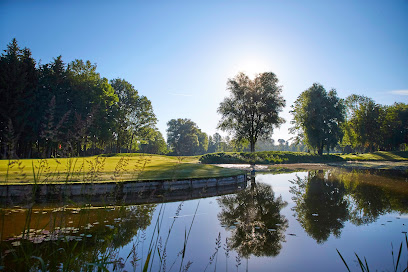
{"points": [[368, 202], [325, 200], [255, 220], [81, 235], [253, 217], [321, 208], [374, 195]]}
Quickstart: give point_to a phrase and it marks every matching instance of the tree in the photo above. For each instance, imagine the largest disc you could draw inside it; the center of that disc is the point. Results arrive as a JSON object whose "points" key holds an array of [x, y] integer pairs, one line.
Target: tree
{"points": [[211, 145], [134, 116], [364, 120], [394, 127], [317, 118], [93, 96], [202, 142], [155, 144], [54, 94], [216, 141], [56, 110], [185, 138], [18, 86], [252, 110]]}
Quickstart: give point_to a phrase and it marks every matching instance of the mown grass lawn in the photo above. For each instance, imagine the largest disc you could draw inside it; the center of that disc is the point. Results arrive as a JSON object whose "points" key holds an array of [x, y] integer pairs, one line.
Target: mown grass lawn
{"points": [[377, 156], [134, 167], [121, 167]]}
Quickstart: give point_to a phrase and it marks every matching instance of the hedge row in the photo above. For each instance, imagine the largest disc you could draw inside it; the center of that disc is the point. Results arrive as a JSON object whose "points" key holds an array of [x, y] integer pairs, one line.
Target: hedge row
{"points": [[267, 157]]}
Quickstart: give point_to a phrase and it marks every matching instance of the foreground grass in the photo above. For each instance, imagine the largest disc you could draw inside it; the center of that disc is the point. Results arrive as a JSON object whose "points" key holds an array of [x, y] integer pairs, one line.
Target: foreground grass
{"points": [[115, 168], [278, 157]]}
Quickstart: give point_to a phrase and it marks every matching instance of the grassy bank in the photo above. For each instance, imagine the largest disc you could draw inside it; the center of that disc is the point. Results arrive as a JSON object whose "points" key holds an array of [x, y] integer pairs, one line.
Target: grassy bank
{"points": [[125, 167], [279, 157], [112, 168]]}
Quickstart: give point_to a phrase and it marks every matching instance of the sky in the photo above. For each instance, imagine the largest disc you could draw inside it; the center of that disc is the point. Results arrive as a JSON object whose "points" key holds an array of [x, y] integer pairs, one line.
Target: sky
{"points": [[180, 54]]}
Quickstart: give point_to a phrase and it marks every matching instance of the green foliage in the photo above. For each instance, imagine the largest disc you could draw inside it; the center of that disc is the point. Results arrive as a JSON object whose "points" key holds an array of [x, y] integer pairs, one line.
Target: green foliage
{"points": [[134, 116], [366, 123], [267, 157], [252, 110], [371, 127], [217, 143], [317, 118], [277, 157], [185, 138], [394, 127], [59, 110], [92, 96], [155, 143], [18, 86]]}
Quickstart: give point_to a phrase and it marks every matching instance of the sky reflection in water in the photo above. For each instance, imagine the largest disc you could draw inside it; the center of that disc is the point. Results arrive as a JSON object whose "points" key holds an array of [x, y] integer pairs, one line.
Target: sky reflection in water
{"points": [[286, 222]]}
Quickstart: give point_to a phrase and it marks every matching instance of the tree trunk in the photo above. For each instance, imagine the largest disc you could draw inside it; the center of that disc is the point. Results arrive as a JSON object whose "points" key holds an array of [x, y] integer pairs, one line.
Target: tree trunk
{"points": [[252, 145], [320, 151], [131, 142]]}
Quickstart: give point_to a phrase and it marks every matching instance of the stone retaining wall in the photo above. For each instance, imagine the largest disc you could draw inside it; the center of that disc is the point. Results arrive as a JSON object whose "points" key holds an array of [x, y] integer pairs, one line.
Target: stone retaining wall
{"points": [[25, 193]]}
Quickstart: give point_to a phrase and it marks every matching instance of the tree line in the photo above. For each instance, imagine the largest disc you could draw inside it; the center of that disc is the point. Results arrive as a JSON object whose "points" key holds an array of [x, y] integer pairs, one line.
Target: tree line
{"points": [[323, 121], [59, 109]]}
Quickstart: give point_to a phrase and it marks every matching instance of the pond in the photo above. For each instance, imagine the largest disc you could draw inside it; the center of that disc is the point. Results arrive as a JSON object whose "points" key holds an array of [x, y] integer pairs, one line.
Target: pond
{"points": [[286, 222]]}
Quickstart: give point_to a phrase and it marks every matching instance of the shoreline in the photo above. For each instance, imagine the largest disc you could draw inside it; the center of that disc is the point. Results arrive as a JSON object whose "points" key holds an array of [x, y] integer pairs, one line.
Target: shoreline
{"points": [[26, 193], [353, 165]]}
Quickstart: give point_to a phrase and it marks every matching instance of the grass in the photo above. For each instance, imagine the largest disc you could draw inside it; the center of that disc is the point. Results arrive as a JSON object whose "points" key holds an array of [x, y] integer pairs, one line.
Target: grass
{"points": [[142, 167], [378, 156], [396, 264], [279, 157], [108, 168]]}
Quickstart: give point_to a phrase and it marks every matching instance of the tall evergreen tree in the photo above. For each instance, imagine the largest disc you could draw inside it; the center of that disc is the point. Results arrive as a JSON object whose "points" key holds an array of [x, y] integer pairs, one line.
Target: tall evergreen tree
{"points": [[18, 84]]}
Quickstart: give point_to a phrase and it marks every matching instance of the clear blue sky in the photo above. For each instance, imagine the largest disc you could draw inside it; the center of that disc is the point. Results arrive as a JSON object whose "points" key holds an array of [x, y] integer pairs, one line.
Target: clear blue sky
{"points": [[180, 53]]}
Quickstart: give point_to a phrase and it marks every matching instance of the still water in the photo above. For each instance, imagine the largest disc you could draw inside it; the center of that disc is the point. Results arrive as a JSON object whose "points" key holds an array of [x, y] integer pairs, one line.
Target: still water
{"points": [[285, 222]]}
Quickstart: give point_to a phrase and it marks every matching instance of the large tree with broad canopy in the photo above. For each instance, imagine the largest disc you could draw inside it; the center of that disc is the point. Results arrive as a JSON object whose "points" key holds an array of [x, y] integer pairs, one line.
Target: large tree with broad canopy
{"points": [[252, 110]]}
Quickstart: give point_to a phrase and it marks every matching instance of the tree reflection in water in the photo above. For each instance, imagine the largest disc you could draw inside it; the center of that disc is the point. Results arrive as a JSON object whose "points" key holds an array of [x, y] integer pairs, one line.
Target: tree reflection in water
{"points": [[91, 234], [325, 200], [254, 219], [373, 195], [321, 208], [368, 203]]}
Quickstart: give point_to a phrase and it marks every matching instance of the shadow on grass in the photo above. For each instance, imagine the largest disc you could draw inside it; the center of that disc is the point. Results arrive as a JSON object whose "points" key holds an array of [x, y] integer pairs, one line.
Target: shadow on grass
{"points": [[392, 156]]}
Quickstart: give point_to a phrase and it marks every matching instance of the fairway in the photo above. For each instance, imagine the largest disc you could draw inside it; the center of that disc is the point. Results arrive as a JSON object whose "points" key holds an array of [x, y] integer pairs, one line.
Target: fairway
{"points": [[118, 168]]}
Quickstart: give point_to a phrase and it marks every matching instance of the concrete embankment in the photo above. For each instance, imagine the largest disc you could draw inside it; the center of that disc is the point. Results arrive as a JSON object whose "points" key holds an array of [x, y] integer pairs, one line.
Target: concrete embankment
{"points": [[135, 192]]}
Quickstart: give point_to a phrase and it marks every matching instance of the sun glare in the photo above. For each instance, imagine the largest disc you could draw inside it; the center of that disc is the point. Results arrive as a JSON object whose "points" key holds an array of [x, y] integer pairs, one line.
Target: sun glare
{"points": [[251, 67]]}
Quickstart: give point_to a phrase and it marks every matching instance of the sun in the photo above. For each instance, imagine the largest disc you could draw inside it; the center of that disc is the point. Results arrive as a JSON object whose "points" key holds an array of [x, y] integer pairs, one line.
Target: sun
{"points": [[251, 66]]}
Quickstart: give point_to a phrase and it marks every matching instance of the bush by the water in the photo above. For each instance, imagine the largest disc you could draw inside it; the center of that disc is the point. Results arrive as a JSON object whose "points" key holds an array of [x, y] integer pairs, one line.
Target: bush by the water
{"points": [[267, 157]]}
